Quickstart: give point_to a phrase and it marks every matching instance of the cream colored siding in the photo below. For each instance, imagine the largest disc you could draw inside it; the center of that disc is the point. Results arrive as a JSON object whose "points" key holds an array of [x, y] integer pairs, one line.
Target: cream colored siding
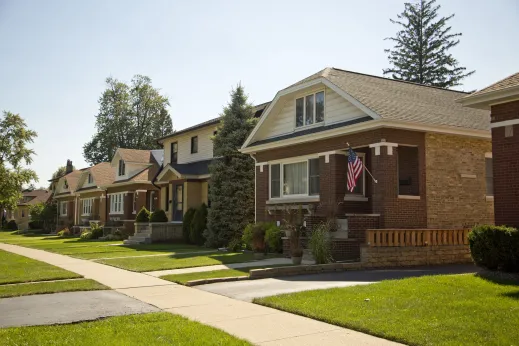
{"points": [[281, 120], [205, 146]]}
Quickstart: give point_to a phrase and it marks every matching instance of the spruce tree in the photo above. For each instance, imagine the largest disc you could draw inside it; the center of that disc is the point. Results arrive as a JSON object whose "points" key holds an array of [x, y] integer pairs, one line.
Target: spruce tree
{"points": [[421, 51], [231, 188]]}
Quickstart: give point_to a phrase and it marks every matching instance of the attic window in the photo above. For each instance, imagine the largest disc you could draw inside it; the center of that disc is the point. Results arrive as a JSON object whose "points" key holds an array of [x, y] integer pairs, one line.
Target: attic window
{"points": [[122, 168], [90, 180], [310, 109], [65, 185]]}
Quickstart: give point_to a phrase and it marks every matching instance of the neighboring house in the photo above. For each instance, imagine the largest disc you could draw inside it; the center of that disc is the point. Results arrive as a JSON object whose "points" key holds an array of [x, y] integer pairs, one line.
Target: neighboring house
{"points": [[502, 99], [65, 195], [132, 186], [91, 193], [21, 215], [427, 153], [184, 180]]}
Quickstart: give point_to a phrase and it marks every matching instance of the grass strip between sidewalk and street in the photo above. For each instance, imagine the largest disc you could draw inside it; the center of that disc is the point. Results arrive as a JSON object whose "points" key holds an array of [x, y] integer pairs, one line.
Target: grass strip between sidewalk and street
{"points": [[431, 310], [43, 287], [148, 329]]}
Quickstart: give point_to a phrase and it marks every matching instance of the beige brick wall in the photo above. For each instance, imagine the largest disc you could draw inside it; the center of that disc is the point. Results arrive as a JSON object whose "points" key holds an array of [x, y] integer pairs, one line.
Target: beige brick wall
{"points": [[455, 181], [380, 257]]}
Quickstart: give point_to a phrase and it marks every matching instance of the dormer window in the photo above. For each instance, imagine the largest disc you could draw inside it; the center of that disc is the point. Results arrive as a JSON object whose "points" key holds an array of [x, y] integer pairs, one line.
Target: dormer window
{"points": [[174, 152], [122, 168], [65, 185], [194, 145], [310, 109], [90, 179]]}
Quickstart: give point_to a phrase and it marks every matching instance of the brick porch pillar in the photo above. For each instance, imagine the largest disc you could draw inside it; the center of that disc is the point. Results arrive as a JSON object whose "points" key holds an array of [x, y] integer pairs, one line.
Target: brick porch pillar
{"points": [[332, 177], [384, 164], [141, 200], [102, 208]]}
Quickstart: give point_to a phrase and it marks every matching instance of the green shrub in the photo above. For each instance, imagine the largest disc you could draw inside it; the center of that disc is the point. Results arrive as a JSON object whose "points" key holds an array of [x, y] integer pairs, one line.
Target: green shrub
{"points": [[235, 245], [143, 215], [186, 224], [85, 235], [258, 237], [65, 232], [118, 233], [96, 229], [320, 244], [273, 236], [158, 215], [35, 225], [12, 226], [198, 226], [247, 236], [495, 247]]}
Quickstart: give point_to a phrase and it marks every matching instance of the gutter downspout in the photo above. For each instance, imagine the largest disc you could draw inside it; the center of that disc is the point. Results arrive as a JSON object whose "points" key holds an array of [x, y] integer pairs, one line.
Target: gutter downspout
{"points": [[255, 182]]}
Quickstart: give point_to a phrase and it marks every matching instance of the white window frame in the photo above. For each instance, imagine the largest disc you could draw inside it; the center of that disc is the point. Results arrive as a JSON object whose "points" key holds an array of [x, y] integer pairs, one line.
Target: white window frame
{"points": [[303, 96], [87, 204], [121, 167], [61, 204], [117, 203], [350, 195], [281, 177]]}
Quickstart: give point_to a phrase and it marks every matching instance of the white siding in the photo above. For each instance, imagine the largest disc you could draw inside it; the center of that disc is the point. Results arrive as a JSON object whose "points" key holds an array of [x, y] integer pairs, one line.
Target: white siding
{"points": [[282, 118], [205, 146]]}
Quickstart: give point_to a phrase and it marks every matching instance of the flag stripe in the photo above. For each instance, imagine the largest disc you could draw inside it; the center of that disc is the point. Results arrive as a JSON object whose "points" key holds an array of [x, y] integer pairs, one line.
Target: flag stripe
{"points": [[355, 167]]}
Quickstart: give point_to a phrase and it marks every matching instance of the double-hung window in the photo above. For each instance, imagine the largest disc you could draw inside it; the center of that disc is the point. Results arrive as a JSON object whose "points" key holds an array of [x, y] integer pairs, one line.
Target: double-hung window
{"points": [[174, 152], [90, 179], [310, 109], [294, 179], [122, 168], [63, 208], [194, 145], [87, 206], [117, 203]]}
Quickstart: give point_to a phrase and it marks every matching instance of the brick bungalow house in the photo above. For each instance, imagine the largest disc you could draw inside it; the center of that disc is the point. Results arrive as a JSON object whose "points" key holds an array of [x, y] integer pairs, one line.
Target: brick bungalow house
{"points": [[21, 215], [502, 99], [64, 192], [427, 153], [184, 180], [132, 187]]}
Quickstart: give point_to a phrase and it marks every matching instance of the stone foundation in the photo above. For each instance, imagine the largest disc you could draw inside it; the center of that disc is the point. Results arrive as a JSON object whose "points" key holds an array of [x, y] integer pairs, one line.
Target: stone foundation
{"points": [[161, 231]]}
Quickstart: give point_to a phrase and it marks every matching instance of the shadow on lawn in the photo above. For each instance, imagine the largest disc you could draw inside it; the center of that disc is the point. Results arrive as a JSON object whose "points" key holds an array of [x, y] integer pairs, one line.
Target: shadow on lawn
{"points": [[500, 278]]}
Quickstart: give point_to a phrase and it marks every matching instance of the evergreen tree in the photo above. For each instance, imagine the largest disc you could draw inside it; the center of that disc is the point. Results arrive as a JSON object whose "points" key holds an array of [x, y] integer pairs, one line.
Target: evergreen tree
{"points": [[231, 187], [420, 54]]}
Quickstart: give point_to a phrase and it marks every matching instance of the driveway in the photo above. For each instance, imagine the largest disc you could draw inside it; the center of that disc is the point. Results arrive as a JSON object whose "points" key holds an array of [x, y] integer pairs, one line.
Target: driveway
{"points": [[250, 289], [67, 307]]}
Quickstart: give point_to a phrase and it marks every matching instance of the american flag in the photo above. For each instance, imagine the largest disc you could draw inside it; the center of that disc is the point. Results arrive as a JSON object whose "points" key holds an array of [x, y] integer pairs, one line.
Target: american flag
{"points": [[354, 169]]}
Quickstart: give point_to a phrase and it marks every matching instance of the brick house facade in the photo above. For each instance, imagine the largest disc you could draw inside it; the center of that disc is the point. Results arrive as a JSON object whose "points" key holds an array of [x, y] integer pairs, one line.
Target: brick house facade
{"points": [[430, 171]]}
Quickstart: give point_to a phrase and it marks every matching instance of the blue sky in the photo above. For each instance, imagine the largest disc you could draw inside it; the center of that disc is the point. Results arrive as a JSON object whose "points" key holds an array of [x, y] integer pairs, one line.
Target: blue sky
{"points": [[56, 55]]}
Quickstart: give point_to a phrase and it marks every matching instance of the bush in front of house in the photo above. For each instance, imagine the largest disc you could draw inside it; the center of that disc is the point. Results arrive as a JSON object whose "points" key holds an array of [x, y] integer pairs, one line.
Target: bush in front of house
{"points": [[143, 216], [198, 226], [65, 232], [12, 226], [273, 236], [495, 247], [158, 215], [85, 235], [254, 235], [96, 229], [186, 224], [320, 243]]}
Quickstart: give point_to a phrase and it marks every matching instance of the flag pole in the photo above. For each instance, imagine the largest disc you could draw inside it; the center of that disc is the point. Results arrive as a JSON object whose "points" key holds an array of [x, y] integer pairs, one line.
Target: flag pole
{"points": [[365, 168]]}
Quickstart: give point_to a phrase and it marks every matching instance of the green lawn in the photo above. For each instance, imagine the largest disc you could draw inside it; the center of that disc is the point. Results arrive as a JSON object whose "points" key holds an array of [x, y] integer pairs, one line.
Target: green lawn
{"points": [[177, 261], [149, 329], [430, 310], [15, 268], [224, 273], [50, 287]]}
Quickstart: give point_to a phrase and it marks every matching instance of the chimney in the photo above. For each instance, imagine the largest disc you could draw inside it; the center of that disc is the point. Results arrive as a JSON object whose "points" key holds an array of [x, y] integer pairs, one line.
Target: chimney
{"points": [[69, 167]]}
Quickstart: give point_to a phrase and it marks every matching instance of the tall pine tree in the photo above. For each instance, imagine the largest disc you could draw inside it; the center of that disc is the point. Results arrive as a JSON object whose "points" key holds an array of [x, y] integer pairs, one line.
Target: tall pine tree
{"points": [[231, 189], [421, 51]]}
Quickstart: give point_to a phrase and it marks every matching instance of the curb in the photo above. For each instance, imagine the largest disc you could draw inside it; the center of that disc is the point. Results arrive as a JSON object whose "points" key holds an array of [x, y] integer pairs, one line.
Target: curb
{"points": [[215, 280]]}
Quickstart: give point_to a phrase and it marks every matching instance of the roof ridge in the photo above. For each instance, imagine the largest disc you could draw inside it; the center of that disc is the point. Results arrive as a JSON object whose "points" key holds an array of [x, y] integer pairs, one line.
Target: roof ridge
{"points": [[482, 90], [400, 81]]}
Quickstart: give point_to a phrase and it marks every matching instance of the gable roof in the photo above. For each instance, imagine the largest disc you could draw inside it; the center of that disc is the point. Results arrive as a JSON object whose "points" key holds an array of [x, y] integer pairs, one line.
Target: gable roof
{"points": [[505, 90], [508, 82], [393, 100], [135, 155], [72, 180], [103, 174], [39, 195]]}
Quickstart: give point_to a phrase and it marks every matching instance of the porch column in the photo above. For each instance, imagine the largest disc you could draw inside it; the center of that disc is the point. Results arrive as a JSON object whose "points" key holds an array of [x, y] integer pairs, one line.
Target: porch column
{"points": [[102, 208], [332, 175], [384, 165], [140, 202]]}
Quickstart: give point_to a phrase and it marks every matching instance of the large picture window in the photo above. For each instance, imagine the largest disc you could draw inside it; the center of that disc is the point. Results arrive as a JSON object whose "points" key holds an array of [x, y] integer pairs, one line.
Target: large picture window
{"points": [[310, 109], [117, 203], [294, 179]]}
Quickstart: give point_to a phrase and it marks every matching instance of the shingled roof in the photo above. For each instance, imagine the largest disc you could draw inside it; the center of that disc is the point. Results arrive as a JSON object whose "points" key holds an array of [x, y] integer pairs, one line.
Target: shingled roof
{"points": [[508, 82], [135, 155], [37, 196]]}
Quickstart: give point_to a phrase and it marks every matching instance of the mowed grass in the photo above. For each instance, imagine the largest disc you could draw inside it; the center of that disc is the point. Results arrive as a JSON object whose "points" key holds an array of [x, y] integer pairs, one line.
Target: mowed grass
{"points": [[224, 273], [430, 310], [177, 261], [75, 247], [50, 287], [148, 329], [15, 268]]}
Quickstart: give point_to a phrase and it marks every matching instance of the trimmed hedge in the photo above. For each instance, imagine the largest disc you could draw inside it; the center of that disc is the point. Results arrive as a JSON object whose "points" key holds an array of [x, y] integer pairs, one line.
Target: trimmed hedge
{"points": [[186, 224], [159, 215], [143, 215], [198, 226], [495, 247], [12, 226]]}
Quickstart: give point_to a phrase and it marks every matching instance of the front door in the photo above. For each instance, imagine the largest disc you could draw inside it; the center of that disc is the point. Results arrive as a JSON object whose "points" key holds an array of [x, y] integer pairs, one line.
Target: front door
{"points": [[178, 202]]}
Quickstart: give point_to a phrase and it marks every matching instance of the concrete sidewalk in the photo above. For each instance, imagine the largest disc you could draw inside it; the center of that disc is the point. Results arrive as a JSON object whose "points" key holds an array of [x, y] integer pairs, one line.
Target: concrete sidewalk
{"points": [[258, 324]]}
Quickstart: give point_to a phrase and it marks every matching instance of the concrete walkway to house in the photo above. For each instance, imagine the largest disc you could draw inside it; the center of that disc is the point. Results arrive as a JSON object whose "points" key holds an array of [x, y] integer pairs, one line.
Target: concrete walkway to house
{"points": [[258, 324], [260, 263]]}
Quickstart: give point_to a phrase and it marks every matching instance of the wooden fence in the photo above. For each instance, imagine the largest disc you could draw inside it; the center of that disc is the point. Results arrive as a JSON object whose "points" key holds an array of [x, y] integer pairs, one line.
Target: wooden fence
{"points": [[416, 237]]}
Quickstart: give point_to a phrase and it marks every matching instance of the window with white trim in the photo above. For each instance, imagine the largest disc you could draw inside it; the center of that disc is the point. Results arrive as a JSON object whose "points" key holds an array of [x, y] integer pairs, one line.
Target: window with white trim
{"points": [[360, 188], [310, 109], [122, 168], [87, 206], [294, 179], [63, 208], [489, 176], [117, 203], [90, 179]]}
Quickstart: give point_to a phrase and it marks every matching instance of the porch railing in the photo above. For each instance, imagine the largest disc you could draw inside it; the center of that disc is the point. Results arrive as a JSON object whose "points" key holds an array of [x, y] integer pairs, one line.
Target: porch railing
{"points": [[416, 237]]}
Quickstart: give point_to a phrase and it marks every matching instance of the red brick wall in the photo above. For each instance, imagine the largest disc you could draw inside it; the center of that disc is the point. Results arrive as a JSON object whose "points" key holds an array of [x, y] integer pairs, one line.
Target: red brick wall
{"points": [[408, 168], [505, 157]]}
